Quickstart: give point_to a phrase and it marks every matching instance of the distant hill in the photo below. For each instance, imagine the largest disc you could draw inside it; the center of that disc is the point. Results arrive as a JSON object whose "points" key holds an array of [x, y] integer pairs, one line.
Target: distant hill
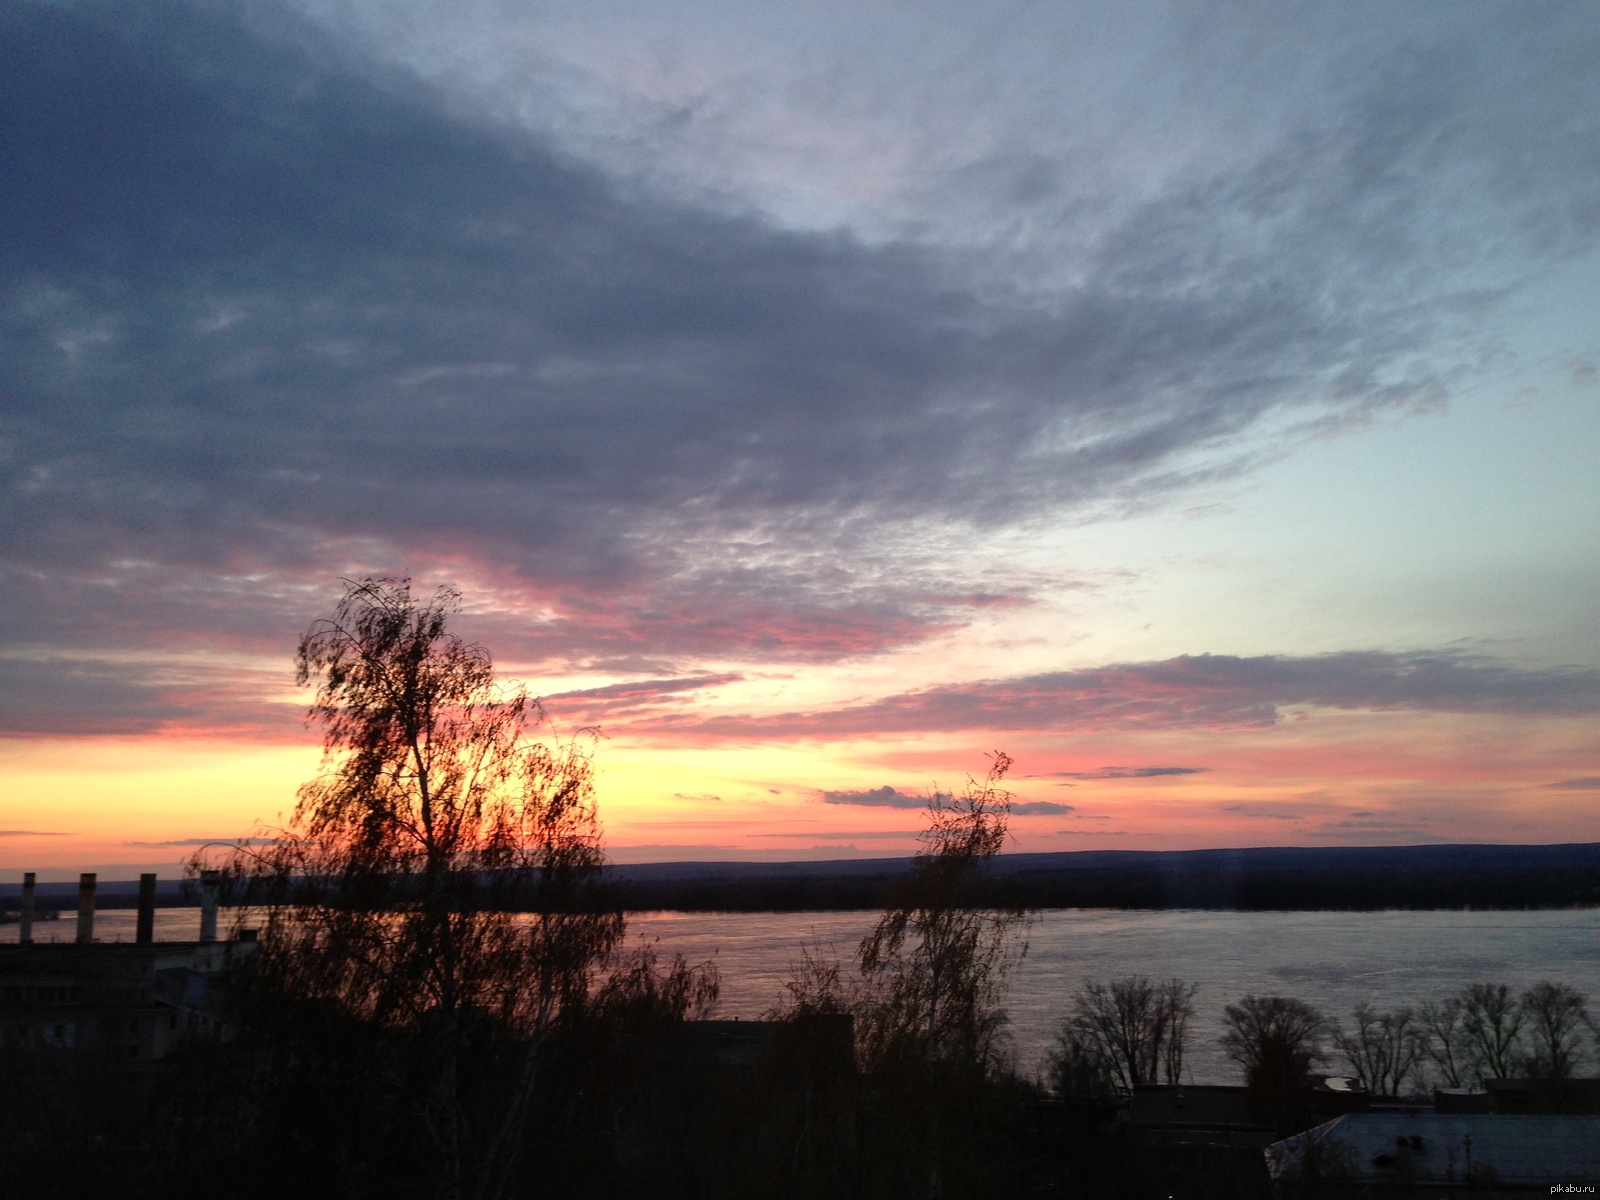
{"points": [[1252, 878], [1255, 878], [114, 893]]}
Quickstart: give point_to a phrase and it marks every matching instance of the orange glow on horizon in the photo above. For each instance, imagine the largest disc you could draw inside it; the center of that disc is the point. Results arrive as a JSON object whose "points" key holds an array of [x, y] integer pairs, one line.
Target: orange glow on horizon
{"points": [[1334, 778]]}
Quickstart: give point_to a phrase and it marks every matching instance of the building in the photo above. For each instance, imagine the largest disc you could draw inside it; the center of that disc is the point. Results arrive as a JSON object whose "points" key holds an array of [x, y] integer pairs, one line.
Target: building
{"points": [[132, 1001], [1199, 1114], [1427, 1154], [1223, 1115]]}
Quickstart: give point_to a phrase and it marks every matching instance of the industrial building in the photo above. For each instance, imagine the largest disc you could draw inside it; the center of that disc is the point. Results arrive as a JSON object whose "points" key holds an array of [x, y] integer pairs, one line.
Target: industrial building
{"points": [[131, 1001], [1428, 1154]]}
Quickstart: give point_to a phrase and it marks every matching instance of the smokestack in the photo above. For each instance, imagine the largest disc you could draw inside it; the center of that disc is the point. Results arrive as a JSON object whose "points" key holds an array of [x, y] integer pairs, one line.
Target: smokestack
{"points": [[145, 931], [86, 908], [210, 882], [25, 931]]}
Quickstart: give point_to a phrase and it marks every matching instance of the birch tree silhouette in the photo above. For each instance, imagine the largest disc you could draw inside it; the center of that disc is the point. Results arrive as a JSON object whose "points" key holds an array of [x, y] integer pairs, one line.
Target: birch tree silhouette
{"points": [[936, 964], [396, 887]]}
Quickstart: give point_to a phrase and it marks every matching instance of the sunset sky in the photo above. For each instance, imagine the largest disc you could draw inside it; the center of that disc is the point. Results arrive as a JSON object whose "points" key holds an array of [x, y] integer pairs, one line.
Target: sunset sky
{"points": [[1200, 403]]}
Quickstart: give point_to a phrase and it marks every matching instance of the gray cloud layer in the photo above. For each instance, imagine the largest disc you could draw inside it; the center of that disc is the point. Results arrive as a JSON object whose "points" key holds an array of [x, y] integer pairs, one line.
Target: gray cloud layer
{"points": [[889, 797], [883, 797], [1040, 808], [56, 695], [272, 311], [1200, 691], [1128, 773], [203, 841]]}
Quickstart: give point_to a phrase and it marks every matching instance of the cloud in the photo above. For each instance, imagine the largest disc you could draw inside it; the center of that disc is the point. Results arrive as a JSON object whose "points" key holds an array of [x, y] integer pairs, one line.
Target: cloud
{"points": [[27, 833], [79, 694], [883, 797], [864, 835], [620, 701], [1273, 811], [1583, 783], [648, 689], [1377, 829], [205, 841], [1125, 773], [675, 852], [1040, 808], [276, 310], [888, 797], [1194, 692]]}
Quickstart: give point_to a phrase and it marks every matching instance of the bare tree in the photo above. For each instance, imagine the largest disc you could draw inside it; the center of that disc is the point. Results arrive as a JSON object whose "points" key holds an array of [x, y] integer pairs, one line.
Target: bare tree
{"points": [[1078, 1069], [1385, 1048], [1135, 1025], [817, 987], [1555, 1016], [1446, 1042], [935, 966], [640, 991], [435, 816], [1276, 1039], [1177, 1000], [927, 999], [1492, 1020]]}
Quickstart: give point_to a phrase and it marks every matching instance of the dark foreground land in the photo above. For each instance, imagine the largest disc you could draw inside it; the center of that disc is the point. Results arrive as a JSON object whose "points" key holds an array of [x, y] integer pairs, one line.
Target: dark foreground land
{"points": [[1257, 879], [324, 1109]]}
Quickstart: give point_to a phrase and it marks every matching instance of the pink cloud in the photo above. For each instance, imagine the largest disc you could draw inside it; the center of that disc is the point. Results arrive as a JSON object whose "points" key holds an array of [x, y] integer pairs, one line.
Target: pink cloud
{"points": [[1215, 692]]}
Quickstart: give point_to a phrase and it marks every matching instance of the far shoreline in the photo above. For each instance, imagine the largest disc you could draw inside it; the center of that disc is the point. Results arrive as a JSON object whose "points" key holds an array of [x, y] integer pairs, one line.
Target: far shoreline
{"points": [[1448, 877]]}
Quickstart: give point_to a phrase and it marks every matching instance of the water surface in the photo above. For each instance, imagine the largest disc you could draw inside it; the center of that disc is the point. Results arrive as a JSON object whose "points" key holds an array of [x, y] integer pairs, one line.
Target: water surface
{"points": [[1333, 960]]}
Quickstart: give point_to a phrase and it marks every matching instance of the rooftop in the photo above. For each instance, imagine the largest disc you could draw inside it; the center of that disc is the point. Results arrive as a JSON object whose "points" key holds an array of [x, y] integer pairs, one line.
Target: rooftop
{"points": [[1448, 1150]]}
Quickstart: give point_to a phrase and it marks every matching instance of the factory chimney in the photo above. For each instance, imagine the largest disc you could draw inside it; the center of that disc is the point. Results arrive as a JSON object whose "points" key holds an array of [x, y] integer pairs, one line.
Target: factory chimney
{"points": [[210, 884], [145, 930], [86, 908], [30, 887]]}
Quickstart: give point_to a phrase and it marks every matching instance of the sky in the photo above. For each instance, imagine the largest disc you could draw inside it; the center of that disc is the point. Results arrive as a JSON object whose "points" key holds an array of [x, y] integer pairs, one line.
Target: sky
{"points": [[1199, 403]]}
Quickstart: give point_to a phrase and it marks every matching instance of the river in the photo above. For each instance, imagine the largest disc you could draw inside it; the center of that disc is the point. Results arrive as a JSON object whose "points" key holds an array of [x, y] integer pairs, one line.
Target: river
{"points": [[1333, 960]]}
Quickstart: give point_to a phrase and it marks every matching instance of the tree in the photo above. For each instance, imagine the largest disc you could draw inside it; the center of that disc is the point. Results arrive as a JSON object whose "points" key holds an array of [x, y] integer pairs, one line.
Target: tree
{"points": [[1078, 1069], [1385, 1048], [1491, 1018], [1135, 1026], [1555, 1015], [1177, 1001], [435, 817], [927, 1002], [935, 966], [1445, 1041], [1276, 1039]]}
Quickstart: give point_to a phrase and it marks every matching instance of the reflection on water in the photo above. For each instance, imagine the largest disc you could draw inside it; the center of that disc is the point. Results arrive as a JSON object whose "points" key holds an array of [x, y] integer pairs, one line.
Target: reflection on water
{"points": [[1332, 960], [112, 925]]}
